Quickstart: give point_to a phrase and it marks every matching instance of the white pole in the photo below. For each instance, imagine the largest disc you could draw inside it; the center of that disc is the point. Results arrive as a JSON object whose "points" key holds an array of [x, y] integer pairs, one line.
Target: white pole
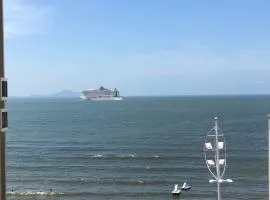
{"points": [[218, 190], [2, 105], [217, 159], [268, 116]]}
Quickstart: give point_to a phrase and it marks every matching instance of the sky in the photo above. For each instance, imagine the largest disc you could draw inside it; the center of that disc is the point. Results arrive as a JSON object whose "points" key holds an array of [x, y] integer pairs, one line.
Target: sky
{"points": [[142, 47]]}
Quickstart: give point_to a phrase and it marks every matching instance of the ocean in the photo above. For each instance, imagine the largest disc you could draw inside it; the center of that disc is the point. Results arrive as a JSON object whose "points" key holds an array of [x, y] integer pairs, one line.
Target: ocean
{"points": [[138, 148]]}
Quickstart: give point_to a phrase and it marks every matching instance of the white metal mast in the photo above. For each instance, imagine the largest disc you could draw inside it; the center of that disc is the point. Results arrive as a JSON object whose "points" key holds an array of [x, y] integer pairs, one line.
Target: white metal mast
{"points": [[215, 156]]}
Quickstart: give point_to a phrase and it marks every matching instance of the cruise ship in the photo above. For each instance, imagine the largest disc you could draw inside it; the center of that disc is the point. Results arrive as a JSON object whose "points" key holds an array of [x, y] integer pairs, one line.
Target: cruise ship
{"points": [[101, 94]]}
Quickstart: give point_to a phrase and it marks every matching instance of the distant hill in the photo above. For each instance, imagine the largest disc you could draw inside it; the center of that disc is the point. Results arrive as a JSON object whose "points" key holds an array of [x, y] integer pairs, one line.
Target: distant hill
{"points": [[37, 96], [61, 94], [66, 93]]}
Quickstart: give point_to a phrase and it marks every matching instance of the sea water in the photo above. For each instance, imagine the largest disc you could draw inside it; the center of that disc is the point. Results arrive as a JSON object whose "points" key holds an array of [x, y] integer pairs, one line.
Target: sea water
{"points": [[137, 148]]}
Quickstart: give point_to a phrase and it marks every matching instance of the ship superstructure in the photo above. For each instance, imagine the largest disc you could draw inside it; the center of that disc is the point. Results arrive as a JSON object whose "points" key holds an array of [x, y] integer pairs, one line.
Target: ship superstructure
{"points": [[101, 94]]}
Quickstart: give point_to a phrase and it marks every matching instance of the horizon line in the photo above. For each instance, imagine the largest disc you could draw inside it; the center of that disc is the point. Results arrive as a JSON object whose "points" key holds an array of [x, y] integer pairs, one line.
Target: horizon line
{"points": [[157, 95]]}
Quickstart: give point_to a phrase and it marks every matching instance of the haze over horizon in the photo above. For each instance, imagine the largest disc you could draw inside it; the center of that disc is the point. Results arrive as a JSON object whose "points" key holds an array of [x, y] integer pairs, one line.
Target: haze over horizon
{"points": [[153, 47]]}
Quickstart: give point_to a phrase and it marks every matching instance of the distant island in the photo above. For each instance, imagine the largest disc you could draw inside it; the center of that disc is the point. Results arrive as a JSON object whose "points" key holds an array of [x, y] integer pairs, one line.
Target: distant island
{"points": [[61, 94], [66, 93]]}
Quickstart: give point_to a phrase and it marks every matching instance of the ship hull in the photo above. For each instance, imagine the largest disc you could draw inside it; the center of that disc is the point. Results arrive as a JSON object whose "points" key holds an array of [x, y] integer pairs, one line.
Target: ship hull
{"points": [[102, 98]]}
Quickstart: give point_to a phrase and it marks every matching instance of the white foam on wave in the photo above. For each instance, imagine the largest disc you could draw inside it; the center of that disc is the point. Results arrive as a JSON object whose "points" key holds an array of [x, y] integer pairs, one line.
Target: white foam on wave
{"points": [[98, 156], [33, 193], [115, 156], [131, 155]]}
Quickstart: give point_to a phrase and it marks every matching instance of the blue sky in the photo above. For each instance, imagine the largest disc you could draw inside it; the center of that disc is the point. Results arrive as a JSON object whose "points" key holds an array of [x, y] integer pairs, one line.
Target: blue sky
{"points": [[142, 47]]}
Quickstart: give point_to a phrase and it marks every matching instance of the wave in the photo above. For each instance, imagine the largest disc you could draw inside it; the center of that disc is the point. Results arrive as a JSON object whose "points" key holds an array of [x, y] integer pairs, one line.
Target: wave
{"points": [[114, 156], [104, 181], [97, 155], [175, 169], [108, 181], [119, 156], [41, 193], [33, 193]]}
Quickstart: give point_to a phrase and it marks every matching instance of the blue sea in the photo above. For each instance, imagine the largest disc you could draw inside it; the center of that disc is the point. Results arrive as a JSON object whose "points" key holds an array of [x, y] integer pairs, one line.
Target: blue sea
{"points": [[138, 148]]}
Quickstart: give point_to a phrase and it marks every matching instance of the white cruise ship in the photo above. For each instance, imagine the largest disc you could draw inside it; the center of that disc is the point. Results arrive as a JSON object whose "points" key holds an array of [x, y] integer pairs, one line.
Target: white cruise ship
{"points": [[101, 94]]}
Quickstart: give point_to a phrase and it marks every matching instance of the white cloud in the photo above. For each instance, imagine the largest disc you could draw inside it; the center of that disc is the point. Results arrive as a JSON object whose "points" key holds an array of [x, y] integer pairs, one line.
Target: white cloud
{"points": [[192, 69], [195, 61], [259, 82], [22, 18]]}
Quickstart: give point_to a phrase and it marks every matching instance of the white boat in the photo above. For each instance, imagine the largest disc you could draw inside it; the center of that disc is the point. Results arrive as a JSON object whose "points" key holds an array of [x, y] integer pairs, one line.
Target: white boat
{"points": [[185, 186], [176, 191], [101, 94]]}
